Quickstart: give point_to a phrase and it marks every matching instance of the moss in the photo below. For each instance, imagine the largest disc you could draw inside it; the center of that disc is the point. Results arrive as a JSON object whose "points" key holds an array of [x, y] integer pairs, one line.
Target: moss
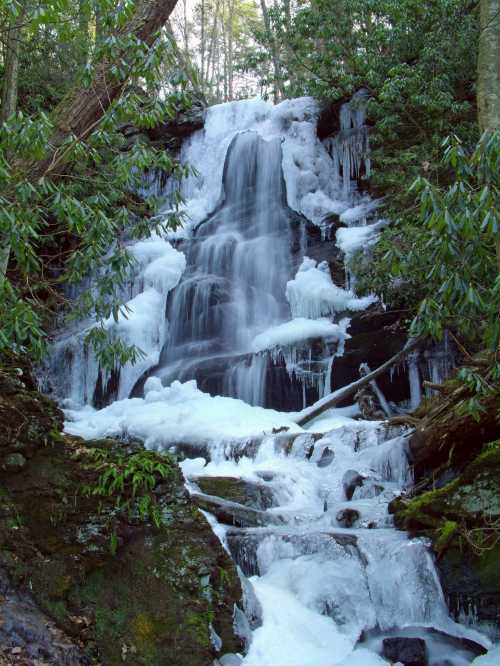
{"points": [[445, 535]]}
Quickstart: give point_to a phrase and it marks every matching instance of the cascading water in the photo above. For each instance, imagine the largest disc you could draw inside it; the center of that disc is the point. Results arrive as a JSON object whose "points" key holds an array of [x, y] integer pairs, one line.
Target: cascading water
{"points": [[238, 264], [326, 577]]}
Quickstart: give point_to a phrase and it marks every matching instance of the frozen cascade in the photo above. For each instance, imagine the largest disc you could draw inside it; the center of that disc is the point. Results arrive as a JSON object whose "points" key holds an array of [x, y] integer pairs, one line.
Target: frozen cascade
{"points": [[330, 593], [333, 578]]}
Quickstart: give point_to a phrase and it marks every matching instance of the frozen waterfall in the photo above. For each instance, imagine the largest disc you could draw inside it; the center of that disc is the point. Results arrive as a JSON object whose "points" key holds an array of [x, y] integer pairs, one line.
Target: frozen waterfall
{"points": [[237, 319]]}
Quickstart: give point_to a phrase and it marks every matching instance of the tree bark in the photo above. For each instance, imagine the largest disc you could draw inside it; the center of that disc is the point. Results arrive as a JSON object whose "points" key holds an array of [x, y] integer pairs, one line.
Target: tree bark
{"points": [[333, 399], [488, 82], [79, 113], [11, 73], [278, 86], [82, 109]]}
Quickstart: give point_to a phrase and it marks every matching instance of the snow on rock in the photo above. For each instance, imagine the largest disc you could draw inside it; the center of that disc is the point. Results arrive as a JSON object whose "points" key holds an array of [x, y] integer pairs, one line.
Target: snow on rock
{"points": [[297, 331], [312, 294], [176, 414], [141, 322], [359, 212], [161, 264], [352, 239]]}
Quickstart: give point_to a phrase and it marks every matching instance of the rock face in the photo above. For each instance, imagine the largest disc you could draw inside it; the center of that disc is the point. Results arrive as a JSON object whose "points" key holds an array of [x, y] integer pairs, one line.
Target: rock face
{"points": [[114, 587], [458, 474], [407, 651], [375, 337]]}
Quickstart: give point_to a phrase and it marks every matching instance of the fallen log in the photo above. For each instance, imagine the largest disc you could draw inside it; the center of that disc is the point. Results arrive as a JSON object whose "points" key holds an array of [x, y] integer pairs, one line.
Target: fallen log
{"points": [[334, 398]]}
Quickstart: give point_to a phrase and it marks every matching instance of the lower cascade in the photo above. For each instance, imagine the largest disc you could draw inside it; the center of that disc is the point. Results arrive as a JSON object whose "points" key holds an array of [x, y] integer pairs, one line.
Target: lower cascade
{"points": [[242, 321]]}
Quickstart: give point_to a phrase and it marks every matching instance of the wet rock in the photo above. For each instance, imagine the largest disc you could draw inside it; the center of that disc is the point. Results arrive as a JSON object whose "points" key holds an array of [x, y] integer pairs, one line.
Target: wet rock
{"points": [[347, 517], [407, 651], [14, 462], [350, 481], [326, 458], [232, 513], [253, 495], [25, 630], [266, 476]]}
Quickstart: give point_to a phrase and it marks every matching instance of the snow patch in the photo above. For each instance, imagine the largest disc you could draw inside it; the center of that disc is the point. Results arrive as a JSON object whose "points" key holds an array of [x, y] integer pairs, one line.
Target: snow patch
{"points": [[313, 294], [297, 331]]}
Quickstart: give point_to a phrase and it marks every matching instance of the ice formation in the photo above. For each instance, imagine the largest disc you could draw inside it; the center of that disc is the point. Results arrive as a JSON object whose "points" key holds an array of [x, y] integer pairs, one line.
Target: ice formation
{"points": [[328, 593], [297, 331], [312, 293], [74, 368]]}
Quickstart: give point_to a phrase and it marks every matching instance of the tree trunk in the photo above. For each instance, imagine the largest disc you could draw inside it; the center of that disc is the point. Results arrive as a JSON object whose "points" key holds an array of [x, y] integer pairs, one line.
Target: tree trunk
{"points": [[334, 398], [79, 113], [202, 43], [82, 109], [488, 82], [278, 86], [9, 100], [11, 73], [230, 38]]}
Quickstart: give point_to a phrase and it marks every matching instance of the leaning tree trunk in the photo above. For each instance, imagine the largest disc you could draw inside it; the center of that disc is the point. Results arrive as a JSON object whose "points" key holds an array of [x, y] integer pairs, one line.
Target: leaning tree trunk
{"points": [[79, 113], [488, 84], [82, 109]]}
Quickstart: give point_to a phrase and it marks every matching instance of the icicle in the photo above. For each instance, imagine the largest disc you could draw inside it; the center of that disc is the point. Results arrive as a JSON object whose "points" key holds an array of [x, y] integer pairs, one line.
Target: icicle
{"points": [[414, 378]]}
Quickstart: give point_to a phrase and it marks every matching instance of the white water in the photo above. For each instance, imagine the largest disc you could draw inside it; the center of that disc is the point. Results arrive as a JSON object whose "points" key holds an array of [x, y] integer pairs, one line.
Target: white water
{"points": [[328, 594], [319, 593]]}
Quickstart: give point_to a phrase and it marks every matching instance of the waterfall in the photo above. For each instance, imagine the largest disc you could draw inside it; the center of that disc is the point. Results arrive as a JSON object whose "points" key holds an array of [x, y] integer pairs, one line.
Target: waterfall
{"points": [[238, 264], [238, 317]]}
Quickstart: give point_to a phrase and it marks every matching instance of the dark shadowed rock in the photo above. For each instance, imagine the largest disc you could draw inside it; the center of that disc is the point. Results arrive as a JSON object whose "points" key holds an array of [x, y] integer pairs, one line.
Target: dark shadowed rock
{"points": [[326, 458], [347, 517], [350, 481], [408, 651]]}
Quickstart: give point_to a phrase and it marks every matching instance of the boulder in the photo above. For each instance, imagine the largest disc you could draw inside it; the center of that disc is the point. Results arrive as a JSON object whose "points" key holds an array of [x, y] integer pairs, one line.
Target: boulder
{"points": [[254, 495], [347, 517], [327, 457], [350, 481], [407, 651]]}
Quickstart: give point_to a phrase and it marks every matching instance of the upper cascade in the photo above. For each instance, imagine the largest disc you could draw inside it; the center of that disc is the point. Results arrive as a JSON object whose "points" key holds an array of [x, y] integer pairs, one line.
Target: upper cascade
{"points": [[260, 177]]}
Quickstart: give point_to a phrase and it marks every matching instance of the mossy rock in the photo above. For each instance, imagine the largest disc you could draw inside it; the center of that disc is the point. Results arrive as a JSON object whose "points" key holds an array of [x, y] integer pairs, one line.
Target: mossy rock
{"points": [[462, 520], [128, 591], [253, 495]]}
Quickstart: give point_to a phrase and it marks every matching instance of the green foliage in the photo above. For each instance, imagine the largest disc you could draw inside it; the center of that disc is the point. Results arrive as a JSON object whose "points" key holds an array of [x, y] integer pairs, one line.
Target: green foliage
{"points": [[130, 480], [67, 232], [446, 257], [416, 60]]}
